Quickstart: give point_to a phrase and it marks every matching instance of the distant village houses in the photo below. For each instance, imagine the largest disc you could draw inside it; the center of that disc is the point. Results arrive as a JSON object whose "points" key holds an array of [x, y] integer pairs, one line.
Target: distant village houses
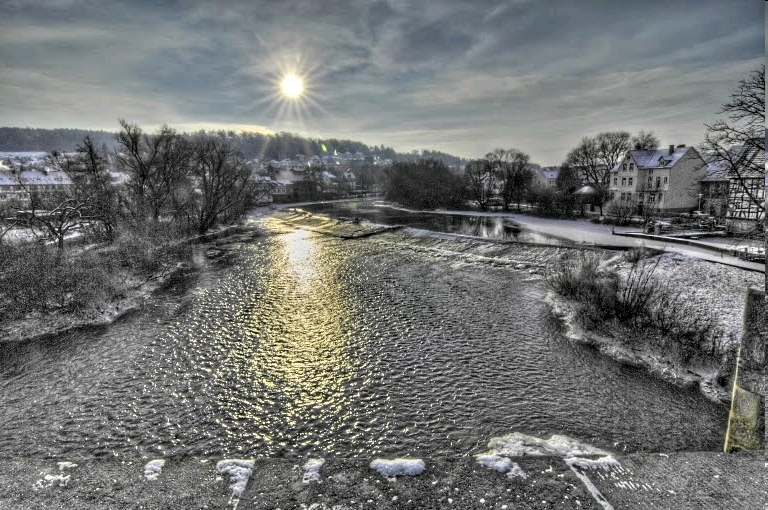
{"points": [[22, 175]]}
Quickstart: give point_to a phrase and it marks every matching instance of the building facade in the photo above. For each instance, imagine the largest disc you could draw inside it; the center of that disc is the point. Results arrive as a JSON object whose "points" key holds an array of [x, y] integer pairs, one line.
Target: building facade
{"points": [[746, 188], [658, 181]]}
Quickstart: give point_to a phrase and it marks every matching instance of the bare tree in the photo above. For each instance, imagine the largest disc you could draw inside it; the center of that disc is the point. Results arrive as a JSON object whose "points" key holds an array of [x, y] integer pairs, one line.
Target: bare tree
{"points": [[223, 181], [156, 165], [52, 216], [513, 170], [645, 141], [481, 179], [91, 185], [612, 145], [739, 139], [568, 179], [585, 157], [596, 157]]}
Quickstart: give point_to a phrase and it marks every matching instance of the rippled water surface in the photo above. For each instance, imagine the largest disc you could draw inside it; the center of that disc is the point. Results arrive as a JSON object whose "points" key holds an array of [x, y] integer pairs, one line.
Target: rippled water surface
{"points": [[310, 344]]}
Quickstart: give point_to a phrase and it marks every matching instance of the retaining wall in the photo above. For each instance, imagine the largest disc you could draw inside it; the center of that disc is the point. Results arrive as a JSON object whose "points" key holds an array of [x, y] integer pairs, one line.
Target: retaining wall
{"points": [[746, 422]]}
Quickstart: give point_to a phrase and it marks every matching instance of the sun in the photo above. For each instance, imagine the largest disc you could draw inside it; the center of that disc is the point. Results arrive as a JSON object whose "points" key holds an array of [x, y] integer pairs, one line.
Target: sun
{"points": [[291, 86]]}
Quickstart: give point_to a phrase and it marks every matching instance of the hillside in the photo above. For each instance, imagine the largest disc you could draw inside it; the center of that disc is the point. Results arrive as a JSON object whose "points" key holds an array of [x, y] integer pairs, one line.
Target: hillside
{"points": [[260, 146]]}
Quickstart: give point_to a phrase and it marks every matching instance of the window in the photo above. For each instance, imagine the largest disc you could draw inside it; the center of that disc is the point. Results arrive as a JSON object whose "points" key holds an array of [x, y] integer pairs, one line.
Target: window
{"points": [[658, 182], [631, 166], [630, 181], [659, 197], [650, 180], [652, 198], [624, 166], [623, 181], [665, 180], [615, 181]]}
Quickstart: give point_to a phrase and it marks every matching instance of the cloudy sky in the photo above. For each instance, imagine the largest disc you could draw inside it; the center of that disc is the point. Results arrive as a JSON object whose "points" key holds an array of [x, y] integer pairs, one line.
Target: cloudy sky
{"points": [[462, 76]]}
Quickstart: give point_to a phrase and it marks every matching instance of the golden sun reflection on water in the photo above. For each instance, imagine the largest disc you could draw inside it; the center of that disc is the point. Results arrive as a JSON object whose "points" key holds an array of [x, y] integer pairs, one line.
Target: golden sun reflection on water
{"points": [[304, 349]]}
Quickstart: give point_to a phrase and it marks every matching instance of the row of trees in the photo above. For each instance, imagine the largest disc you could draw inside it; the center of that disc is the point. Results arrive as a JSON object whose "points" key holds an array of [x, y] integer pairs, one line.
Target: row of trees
{"points": [[175, 185], [190, 182], [424, 184], [508, 177]]}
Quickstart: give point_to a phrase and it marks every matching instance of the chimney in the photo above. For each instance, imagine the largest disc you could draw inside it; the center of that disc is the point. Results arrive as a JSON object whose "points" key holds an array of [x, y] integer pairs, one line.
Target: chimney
{"points": [[671, 149], [682, 145]]}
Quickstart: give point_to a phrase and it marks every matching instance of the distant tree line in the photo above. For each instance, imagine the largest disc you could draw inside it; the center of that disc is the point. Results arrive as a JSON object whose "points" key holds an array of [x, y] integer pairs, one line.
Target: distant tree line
{"points": [[506, 178], [424, 184], [13, 139], [261, 146]]}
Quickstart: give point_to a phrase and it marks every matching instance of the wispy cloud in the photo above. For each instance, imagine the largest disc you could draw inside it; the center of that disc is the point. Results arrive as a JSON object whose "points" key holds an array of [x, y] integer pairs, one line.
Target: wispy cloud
{"points": [[459, 75]]}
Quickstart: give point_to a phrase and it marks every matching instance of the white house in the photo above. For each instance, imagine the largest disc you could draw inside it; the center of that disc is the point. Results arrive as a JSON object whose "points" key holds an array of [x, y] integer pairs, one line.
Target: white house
{"points": [[659, 180]]}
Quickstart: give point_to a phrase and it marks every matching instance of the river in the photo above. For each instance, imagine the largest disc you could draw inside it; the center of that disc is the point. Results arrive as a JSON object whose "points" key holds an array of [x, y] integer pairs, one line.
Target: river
{"points": [[299, 343]]}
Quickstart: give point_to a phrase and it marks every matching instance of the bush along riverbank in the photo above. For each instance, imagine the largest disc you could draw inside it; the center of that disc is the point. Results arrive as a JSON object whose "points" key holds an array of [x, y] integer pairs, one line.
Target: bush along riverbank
{"points": [[632, 309], [47, 292]]}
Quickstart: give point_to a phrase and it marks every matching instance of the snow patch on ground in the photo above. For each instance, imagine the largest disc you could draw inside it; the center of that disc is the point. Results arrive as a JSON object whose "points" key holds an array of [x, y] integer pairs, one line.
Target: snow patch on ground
{"points": [[518, 444], [312, 470], [395, 467], [49, 480], [239, 472], [153, 468]]}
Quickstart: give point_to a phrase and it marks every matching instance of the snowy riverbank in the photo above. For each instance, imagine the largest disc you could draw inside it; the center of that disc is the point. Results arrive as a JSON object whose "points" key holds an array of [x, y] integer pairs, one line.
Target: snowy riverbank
{"points": [[133, 294], [712, 288]]}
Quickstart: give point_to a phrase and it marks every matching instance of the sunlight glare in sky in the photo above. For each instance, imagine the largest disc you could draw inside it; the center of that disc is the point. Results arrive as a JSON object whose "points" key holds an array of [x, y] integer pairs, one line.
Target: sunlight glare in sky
{"points": [[291, 86]]}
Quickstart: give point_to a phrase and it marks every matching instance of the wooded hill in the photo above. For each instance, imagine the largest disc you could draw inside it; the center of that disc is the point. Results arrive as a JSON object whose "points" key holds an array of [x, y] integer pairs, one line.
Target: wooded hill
{"points": [[260, 146]]}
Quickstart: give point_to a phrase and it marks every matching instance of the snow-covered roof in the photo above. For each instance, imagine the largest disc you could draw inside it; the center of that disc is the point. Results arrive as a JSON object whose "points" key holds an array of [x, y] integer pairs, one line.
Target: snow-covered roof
{"points": [[34, 177], [23, 154], [718, 168], [716, 171], [659, 158], [585, 190], [550, 173]]}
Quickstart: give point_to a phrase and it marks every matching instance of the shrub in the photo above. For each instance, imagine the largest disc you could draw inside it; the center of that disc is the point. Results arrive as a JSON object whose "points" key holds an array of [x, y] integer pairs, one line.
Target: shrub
{"points": [[582, 279], [152, 248], [636, 254], [651, 308], [38, 279]]}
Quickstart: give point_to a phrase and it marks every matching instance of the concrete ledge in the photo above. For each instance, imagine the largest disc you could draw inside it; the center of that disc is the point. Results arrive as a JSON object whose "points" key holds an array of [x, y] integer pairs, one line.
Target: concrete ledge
{"points": [[704, 480]]}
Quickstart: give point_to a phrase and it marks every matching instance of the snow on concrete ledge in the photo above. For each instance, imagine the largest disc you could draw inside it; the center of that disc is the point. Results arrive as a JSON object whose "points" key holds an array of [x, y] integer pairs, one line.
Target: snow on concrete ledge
{"points": [[312, 470], [518, 444], [606, 463], [239, 472], [153, 468], [516, 472], [495, 462], [395, 467], [501, 464]]}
